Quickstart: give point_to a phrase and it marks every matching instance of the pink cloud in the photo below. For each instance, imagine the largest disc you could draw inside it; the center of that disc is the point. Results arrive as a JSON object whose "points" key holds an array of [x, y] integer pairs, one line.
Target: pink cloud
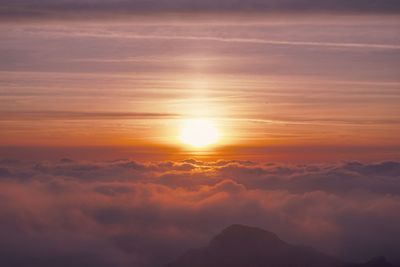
{"points": [[125, 213]]}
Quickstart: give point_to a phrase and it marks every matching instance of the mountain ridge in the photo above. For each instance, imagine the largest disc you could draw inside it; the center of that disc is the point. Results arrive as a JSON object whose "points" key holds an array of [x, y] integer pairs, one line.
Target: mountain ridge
{"points": [[242, 246]]}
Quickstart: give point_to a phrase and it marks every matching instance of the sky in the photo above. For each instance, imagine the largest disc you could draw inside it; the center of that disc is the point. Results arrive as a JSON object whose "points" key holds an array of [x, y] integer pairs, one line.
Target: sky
{"points": [[278, 78], [274, 76], [95, 95]]}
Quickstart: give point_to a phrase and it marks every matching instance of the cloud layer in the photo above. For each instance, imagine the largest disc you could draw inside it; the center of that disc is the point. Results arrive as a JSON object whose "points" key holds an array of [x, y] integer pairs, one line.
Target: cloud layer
{"points": [[105, 8], [128, 213]]}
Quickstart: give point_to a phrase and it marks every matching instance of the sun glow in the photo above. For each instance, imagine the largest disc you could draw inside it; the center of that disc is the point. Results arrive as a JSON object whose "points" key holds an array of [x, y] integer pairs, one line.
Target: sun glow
{"points": [[199, 133]]}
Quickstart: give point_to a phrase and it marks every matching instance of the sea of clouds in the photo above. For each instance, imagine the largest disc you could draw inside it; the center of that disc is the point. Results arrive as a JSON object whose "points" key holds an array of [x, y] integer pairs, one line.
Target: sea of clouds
{"points": [[131, 213]]}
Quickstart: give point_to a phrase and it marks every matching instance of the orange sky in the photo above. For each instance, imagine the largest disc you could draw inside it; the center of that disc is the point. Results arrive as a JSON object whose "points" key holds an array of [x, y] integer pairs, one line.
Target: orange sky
{"points": [[269, 84]]}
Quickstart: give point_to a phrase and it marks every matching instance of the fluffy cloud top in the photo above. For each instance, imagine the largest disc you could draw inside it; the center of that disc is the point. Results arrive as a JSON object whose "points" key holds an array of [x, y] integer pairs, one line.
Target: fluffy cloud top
{"points": [[128, 213]]}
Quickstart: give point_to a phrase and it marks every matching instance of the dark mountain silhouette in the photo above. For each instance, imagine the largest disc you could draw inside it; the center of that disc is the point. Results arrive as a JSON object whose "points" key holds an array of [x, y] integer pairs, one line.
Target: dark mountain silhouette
{"points": [[244, 246]]}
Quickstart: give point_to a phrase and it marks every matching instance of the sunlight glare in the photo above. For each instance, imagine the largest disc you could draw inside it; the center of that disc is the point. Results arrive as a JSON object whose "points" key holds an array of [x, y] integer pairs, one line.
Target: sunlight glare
{"points": [[199, 133]]}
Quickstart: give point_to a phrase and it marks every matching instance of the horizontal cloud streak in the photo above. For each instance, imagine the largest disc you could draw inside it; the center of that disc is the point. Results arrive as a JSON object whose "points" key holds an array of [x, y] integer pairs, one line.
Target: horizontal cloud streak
{"points": [[129, 213], [255, 41], [71, 115], [81, 9], [263, 41]]}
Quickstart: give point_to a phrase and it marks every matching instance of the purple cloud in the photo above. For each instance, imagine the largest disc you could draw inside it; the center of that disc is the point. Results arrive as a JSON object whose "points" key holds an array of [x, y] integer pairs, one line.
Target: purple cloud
{"points": [[128, 213]]}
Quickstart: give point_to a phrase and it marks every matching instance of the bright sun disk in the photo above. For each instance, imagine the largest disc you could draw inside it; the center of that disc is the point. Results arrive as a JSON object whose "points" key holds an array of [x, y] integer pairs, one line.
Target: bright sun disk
{"points": [[199, 133]]}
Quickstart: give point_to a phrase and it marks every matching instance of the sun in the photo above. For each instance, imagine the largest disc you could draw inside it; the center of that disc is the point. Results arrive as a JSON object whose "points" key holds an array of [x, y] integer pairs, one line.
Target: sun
{"points": [[199, 133]]}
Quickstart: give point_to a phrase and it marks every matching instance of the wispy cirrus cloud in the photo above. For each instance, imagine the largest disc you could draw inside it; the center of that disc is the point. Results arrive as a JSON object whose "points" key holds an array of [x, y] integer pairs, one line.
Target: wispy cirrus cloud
{"points": [[325, 80], [83, 9], [210, 38], [73, 115]]}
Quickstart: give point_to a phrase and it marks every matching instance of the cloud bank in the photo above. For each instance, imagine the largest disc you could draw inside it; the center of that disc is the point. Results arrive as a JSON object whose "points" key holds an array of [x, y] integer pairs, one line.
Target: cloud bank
{"points": [[11, 9], [128, 213]]}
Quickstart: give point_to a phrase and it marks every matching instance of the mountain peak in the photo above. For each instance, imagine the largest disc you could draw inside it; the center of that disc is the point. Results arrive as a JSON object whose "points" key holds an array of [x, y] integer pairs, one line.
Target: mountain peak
{"points": [[240, 245], [244, 229], [237, 233]]}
